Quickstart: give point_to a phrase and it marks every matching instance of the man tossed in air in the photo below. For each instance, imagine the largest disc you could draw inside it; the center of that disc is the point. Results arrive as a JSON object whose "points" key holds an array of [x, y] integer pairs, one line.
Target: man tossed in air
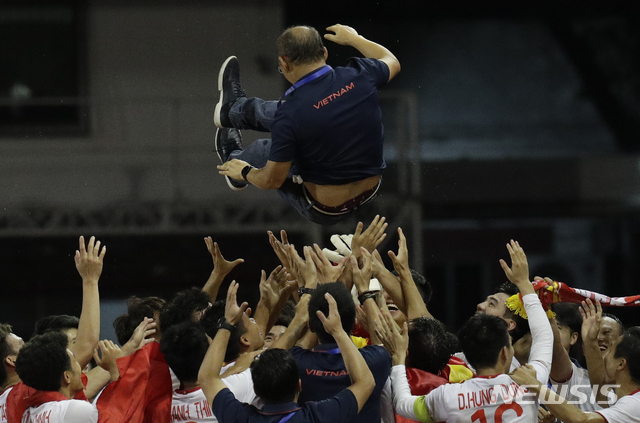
{"points": [[325, 156]]}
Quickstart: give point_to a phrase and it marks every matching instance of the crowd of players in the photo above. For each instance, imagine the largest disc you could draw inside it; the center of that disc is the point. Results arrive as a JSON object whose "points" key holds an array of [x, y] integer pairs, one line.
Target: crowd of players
{"points": [[335, 337]]}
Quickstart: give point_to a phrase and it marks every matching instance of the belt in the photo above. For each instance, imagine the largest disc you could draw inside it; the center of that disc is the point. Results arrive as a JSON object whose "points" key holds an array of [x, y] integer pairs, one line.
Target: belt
{"points": [[345, 207]]}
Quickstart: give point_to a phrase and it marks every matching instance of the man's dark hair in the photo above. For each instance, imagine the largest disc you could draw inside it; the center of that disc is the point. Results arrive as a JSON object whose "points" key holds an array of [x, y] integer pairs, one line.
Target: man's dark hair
{"points": [[617, 320], [184, 346], [5, 331], [423, 285], [182, 307], [210, 323], [275, 376], [56, 323], [629, 349], [430, 345], [287, 314], [482, 338], [568, 314], [137, 310], [346, 309], [43, 360], [522, 324], [300, 45]]}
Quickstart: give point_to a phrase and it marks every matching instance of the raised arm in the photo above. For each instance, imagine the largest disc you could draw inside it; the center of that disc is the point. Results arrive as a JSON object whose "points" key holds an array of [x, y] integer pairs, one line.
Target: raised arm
{"points": [[297, 325], [591, 320], [209, 374], [362, 381], [270, 304], [541, 333], [89, 261], [221, 269], [271, 176], [346, 35], [361, 279], [413, 300]]}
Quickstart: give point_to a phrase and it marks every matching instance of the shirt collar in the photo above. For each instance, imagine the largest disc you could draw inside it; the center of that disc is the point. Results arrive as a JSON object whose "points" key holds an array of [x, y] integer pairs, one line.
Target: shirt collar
{"points": [[325, 347], [286, 407]]}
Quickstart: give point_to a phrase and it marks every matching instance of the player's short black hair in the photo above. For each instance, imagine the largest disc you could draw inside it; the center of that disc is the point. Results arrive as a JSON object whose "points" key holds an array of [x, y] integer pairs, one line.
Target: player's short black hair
{"points": [[287, 314], [210, 323], [482, 338], [56, 323], [629, 349], [346, 309], [5, 331], [137, 310], [522, 324], [275, 376], [617, 320], [43, 360], [568, 314], [430, 345], [184, 346], [300, 45], [423, 285], [182, 307]]}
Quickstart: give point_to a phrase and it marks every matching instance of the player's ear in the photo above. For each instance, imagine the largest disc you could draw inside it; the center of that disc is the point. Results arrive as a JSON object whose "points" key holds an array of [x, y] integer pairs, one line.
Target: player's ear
{"points": [[574, 338], [326, 54]]}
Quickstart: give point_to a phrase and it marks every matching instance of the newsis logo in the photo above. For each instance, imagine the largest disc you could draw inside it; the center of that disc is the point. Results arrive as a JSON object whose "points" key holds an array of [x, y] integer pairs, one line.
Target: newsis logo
{"points": [[523, 395]]}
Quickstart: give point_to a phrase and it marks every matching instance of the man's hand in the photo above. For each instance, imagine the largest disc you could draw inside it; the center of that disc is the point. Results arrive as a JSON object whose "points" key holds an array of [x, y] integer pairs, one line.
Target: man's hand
{"points": [[232, 312], [545, 417], [342, 34], [591, 320], [279, 248], [401, 260], [89, 260], [327, 272], [221, 266], [271, 288], [518, 273], [233, 169], [362, 277], [110, 353], [395, 341], [142, 336], [526, 376], [304, 269], [371, 238], [332, 323]]}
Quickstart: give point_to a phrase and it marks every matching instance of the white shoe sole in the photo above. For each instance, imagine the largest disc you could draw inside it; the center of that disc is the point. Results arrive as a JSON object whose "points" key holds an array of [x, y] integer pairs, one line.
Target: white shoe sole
{"points": [[216, 113]]}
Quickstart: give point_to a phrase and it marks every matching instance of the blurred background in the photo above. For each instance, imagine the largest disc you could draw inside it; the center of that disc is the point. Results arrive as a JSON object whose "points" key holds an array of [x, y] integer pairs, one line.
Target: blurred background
{"points": [[508, 120]]}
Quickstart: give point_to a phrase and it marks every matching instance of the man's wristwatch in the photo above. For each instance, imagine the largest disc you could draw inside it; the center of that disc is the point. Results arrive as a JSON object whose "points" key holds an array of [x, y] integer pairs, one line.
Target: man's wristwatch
{"points": [[302, 290], [223, 324], [245, 171]]}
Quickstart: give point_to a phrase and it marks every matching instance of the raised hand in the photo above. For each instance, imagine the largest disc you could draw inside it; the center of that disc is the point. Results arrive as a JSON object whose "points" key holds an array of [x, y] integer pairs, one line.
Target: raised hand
{"points": [[221, 266], [362, 276], [342, 34], [110, 353], [279, 248], [370, 238], [89, 260], [271, 288], [304, 269], [395, 341], [401, 260], [591, 320], [518, 273], [525, 376], [142, 335], [332, 323], [327, 272], [232, 312]]}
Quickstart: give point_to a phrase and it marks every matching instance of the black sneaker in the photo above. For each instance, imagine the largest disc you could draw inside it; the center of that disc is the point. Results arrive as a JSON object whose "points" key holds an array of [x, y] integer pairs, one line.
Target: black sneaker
{"points": [[228, 141], [230, 90]]}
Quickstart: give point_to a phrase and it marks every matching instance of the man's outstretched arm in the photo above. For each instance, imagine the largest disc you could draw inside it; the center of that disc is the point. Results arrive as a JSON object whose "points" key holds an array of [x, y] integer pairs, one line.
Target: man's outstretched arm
{"points": [[348, 36], [271, 176], [89, 262]]}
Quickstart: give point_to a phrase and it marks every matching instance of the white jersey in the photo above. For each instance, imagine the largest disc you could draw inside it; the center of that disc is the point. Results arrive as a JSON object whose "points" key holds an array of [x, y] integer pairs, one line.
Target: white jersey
{"points": [[192, 406], [483, 399], [577, 390], [70, 411], [3, 405], [625, 410]]}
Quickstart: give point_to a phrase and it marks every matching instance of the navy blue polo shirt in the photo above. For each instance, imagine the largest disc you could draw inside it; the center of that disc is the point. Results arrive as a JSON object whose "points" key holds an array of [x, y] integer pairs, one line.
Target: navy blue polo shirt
{"points": [[323, 375], [342, 408], [332, 126]]}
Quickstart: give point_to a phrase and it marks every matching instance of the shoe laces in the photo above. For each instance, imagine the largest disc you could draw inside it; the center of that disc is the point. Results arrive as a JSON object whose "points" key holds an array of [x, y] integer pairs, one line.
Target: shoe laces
{"points": [[238, 91]]}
